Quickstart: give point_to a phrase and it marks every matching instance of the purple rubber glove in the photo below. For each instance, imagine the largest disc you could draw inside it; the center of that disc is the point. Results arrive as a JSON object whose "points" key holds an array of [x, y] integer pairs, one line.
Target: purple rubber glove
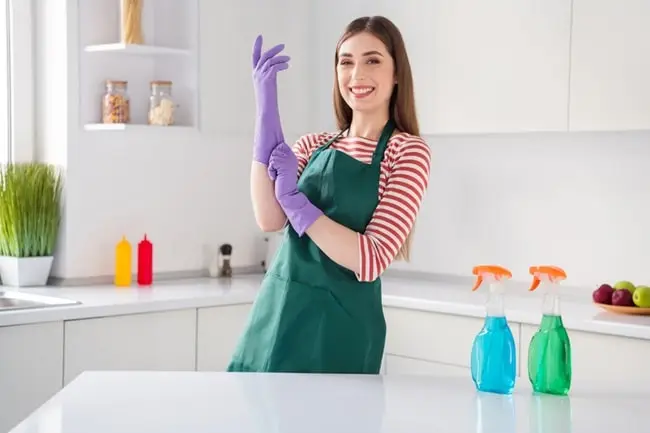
{"points": [[268, 129], [283, 169]]}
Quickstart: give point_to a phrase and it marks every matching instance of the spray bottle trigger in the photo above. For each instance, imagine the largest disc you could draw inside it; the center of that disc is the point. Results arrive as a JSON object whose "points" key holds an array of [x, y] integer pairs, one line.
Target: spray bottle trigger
{"points": [[491, 272], [477, 284], [548, 273], [535, 284]]}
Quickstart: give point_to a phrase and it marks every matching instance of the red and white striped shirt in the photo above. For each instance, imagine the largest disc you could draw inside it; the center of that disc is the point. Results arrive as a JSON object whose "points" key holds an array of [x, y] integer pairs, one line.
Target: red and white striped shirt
{"points": [[403, 180]]}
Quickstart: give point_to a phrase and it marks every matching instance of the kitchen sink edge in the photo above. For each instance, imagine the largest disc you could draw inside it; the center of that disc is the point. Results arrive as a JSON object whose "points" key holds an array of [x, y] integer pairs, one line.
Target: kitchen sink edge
{"points": [[11, 300]]}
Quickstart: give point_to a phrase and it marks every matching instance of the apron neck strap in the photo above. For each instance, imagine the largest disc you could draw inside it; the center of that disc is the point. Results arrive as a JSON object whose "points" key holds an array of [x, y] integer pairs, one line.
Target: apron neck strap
{"points": [[382, 144], [336, 137]]}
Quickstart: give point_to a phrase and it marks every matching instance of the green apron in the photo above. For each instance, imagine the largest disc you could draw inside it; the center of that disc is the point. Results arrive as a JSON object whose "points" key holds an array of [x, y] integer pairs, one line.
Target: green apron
{"points": [[311, 314]]}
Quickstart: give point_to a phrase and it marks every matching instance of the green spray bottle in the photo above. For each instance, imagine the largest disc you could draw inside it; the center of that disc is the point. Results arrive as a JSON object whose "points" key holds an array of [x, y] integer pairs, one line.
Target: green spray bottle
{"points": [[549, 354]]}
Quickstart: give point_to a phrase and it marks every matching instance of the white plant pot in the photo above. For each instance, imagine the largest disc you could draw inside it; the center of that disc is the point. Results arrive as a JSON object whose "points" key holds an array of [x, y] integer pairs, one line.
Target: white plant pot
{"points": [[25, 271]]}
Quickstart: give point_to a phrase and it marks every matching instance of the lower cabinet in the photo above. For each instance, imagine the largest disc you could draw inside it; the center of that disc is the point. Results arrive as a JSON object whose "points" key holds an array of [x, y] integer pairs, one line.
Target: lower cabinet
{"points": [[39, 359], [419, 340], [218, 330], [149, 341], [605, 361], [31, 369]]}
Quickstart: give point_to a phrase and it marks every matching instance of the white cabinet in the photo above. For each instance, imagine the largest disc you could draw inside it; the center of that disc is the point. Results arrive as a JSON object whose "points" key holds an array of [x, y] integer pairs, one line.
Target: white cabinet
{"points": [[612, 362], [218, 330], [31, 369], [445, 339], [488, 66], [151, 341], [610, 65]]}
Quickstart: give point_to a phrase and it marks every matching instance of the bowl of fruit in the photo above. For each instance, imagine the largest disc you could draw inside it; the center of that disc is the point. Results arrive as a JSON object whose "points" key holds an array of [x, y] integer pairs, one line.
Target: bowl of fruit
{"points": [[623, 297]]}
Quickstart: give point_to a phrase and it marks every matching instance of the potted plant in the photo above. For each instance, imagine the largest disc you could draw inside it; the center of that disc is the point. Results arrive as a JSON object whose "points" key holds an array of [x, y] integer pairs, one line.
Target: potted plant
{"points": [[30, 215]]}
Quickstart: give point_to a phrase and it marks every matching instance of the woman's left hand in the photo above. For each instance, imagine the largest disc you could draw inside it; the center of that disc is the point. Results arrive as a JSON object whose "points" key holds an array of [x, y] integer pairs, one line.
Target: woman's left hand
{"points": [[283, 169]]}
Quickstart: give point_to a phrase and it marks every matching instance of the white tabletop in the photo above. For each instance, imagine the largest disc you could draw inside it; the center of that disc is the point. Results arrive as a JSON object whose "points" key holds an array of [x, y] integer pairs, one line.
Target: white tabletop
{"points": [[201, 402]]}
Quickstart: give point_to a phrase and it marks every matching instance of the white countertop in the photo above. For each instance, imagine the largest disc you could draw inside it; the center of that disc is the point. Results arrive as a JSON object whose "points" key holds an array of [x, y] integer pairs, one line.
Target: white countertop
{"points": [[444, 297], [198, 402]]}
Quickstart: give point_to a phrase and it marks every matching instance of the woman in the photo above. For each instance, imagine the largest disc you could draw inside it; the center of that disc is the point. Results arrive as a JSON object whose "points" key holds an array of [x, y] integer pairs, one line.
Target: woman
{"points": [[350, 198]]}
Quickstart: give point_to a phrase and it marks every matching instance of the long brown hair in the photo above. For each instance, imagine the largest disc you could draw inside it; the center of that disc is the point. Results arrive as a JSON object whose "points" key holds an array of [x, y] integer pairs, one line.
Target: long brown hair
{"points": [[402, 101]]}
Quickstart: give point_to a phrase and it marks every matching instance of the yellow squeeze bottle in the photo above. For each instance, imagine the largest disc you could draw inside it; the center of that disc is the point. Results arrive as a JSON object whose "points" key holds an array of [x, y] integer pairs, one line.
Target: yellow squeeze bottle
{"points": [[123, 272]]}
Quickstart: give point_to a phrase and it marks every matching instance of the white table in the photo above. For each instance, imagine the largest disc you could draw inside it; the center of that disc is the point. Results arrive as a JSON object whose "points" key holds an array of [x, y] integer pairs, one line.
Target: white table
{"points": [[200, 402]]}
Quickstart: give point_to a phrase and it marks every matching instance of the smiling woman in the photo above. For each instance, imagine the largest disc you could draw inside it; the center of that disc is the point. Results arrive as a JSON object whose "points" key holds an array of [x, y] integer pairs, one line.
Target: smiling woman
{"points": [[350, 198]]}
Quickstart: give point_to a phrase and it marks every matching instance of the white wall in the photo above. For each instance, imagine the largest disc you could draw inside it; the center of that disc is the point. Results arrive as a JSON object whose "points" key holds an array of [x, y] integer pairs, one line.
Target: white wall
{"points": [[492, 197], [185, 192]]}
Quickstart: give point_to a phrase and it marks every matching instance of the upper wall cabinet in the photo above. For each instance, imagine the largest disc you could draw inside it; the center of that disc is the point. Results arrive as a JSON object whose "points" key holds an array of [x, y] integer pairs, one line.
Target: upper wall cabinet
{"points": [[610, 65], [487, 66]]}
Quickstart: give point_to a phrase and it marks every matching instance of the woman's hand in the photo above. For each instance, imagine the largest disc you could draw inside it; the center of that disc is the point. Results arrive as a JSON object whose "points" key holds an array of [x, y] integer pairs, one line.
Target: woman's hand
{"points": [[283, 169], [268, 128], [338, 242]]}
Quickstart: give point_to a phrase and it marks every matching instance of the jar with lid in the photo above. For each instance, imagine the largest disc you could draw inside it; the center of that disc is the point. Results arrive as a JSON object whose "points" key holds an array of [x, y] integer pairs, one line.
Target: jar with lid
{"points": [[115, 103], [161, 104]]}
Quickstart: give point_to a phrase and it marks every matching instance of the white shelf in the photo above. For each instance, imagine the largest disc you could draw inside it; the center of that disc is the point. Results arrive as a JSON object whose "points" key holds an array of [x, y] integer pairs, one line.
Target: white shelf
{"points": [[169, 52], [136, 49], [131, 126]]}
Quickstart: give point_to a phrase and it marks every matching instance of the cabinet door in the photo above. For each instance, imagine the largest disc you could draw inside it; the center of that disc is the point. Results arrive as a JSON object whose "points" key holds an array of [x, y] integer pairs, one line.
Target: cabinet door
{"points": [[31, 369], [443, 338], [219, 329], [152, 341], [604, 361], [487, 66], [610, 65]]}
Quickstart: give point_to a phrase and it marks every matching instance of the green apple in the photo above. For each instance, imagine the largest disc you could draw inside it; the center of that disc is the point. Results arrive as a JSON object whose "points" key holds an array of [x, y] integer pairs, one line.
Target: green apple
{"points": [[620, 285], [641, 296]]}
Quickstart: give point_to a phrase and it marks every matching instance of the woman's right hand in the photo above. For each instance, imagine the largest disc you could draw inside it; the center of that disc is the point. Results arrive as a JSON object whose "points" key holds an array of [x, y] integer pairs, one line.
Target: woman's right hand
{"points": [[268, 129]]}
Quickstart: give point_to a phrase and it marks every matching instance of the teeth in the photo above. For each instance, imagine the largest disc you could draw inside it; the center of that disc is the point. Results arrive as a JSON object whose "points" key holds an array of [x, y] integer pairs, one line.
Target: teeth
{"points": [[361, 90]]}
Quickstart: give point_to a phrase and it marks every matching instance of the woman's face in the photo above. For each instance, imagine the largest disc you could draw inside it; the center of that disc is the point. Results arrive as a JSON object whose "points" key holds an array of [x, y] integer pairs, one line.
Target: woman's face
{"points": [[365, 72]]}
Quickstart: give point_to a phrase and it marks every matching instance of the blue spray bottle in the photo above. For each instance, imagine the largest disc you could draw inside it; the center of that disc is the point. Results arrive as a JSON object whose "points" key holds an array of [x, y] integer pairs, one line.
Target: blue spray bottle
{"points": [[493, 360]]}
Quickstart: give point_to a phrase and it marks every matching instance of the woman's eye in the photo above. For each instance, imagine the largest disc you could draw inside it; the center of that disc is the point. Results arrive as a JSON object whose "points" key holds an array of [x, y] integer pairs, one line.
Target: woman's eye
{"points": [[373, 61]]}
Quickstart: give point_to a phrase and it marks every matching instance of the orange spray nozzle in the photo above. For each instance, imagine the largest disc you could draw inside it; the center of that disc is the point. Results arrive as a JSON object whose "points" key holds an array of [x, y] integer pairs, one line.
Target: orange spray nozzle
{"points": [[550, 273], [497, 272]]}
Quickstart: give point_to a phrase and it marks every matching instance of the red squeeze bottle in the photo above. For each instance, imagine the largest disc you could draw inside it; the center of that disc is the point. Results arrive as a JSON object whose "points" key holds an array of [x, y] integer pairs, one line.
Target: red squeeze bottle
{"points": [[145, 262]]}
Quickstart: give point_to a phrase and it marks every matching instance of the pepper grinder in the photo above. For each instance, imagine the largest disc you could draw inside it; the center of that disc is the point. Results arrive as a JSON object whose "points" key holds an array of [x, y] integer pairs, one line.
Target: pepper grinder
{"points": [[225, 270]]}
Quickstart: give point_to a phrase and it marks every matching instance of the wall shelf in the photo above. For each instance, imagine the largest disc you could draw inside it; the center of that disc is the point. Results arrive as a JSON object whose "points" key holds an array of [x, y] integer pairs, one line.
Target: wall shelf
{"points": [[132, 126], [169, 52], [136, 49]]}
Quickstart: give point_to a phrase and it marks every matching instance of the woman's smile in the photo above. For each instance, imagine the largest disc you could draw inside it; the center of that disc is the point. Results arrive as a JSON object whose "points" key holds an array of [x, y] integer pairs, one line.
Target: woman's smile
{"points": [[360, 92]]}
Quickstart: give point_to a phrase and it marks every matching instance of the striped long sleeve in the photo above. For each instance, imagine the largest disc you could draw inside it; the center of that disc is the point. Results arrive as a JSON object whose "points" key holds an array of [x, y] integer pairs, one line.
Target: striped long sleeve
{"points": [[403, 181]]}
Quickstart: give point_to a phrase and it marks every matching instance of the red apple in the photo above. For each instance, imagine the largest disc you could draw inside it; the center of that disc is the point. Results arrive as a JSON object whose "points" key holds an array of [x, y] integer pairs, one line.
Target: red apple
{"points": [[603, 294], [622, 298]]}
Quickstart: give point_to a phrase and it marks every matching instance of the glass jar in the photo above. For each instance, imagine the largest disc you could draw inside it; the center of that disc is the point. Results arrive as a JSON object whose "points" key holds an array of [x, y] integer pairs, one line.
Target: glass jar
{"points": [[161, 104], [115, 103]]}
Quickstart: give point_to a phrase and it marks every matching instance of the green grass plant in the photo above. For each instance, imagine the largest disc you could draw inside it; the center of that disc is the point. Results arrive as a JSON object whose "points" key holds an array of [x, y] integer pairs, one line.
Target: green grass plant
{"points": [[30, 209]]}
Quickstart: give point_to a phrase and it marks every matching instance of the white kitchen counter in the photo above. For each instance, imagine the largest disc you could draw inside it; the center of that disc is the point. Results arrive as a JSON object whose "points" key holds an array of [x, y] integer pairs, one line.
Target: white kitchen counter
{"points": [[197, 402], [443, 297]]}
